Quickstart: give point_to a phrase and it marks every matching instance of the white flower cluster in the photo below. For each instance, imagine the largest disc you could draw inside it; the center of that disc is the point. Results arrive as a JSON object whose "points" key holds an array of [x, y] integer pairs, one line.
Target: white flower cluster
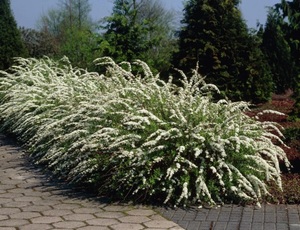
{"points": [[139, 135]]}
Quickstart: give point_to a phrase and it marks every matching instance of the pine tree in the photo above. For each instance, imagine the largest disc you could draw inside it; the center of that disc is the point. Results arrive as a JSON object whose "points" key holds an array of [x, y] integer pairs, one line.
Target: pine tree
{"points": [[215, 35], [10, 38]]}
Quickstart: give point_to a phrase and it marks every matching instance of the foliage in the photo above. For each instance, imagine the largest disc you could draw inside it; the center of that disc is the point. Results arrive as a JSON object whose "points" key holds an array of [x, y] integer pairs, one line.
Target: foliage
{"points": [[72, 31], [138, 137], [39, 43], [10, 40], [70, 14], [278, 52], [139, 29], [288, 12], [215, 35], [81, 46]]}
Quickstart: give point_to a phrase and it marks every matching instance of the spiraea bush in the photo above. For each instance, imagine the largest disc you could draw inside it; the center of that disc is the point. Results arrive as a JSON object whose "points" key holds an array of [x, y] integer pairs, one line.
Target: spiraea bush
{"points": [[135, 136]]}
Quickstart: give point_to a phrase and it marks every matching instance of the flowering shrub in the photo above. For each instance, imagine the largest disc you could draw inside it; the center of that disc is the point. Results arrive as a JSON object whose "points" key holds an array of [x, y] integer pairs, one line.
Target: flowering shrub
{"points": [[137, 136]]}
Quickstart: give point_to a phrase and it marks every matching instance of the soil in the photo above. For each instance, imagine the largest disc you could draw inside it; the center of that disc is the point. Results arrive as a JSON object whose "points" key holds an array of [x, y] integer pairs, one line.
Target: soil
{"points": [[290, 178]]}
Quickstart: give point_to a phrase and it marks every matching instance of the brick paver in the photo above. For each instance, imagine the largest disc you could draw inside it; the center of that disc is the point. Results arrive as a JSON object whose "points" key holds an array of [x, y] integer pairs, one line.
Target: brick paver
{"points": [[233, 217], [30, 200]]}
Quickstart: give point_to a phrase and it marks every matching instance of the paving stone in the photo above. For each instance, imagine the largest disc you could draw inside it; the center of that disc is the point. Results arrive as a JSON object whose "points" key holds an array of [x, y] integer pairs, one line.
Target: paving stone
{"points": [[43, 195], [134, 219], [160, 224], [245, 225], [46, 220], [79, 217], [127, 226], [10, 182], [282, 226], [194, 225], [7, 228], [103, 222], [183, 223], [4, 217], [219, 226], [201, 216], [157, 217], [17, 204], [141, 212], [257, 226], [35, 227], [5, 200], [13, 223], [25, 215], [44, 202], [28, 198], [294, 226], [293, 209], [17, 190], [66, 206], [281, 217], [233, 225], [258, 217], [69, 224], [36, 208], [223, 216], [270, 226], [176, 228], [293, 218], [87, 210], [55, 212], [94, 228], [117, 208], [107, 214], [8, 211], [206, 225], [9, 195]]}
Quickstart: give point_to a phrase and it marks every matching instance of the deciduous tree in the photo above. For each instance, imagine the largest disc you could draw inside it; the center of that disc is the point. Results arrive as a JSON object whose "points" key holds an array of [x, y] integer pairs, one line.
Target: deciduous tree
{"points": [[73, 31]]}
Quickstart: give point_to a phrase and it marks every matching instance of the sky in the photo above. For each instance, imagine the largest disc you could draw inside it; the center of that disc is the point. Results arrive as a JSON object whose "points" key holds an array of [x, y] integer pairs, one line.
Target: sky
{"points": [[27, 12]]}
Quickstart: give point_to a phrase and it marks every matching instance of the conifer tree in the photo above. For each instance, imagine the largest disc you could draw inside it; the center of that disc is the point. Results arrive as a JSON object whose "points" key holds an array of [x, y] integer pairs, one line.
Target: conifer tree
{"points": [[288, 12], [278, 52], [139, 29], [10, 38], [215, 35]]}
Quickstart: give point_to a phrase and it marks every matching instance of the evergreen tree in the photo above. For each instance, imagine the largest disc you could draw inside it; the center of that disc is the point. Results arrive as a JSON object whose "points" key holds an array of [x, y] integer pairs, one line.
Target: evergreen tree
{"points": [[10, 38], [278, 52], [289, 13], [139, 29], [215, 35]]}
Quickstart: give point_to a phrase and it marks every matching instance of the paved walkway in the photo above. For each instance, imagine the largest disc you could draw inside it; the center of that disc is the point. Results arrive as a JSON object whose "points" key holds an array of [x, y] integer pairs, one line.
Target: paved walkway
{"points": [[29, 199], [233, 217]]}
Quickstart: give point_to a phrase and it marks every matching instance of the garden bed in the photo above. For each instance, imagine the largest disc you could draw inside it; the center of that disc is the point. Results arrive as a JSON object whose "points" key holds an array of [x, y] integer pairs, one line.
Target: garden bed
{"points": [[290, 178]]}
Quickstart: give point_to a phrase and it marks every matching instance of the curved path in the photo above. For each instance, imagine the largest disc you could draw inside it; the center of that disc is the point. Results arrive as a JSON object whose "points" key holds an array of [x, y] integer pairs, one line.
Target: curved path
{"points": [[29, 199]]}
